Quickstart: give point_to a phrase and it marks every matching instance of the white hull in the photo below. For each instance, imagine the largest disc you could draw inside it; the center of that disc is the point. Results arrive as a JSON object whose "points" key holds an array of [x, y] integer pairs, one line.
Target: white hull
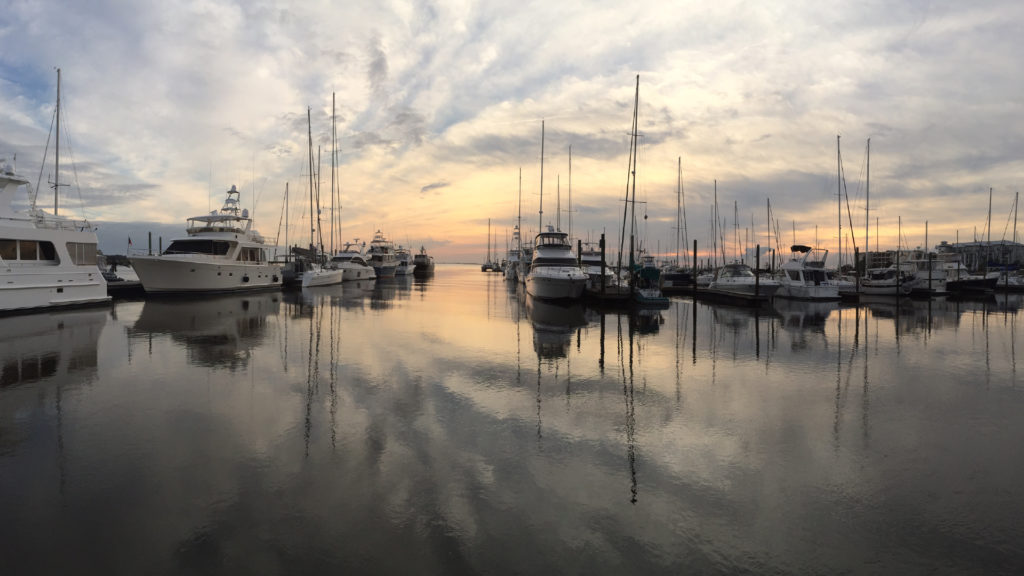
{"points": [[556, 283], [355, 272], [20, 290], [765, 289], [806, 292], [404, 269], [321, 277], [193, 273]]}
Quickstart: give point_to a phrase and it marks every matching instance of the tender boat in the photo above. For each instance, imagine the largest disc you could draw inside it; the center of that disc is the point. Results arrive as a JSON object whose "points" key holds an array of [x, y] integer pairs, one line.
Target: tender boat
{"points": [[803, 276], [423, 263], [351, 262], [646, 284], [554, 271], [221, 253], [45, 260], [382, 256]]}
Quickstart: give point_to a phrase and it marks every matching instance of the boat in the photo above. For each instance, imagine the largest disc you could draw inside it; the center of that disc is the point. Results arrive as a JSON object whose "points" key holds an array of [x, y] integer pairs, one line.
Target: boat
{"points": [[488, 265], [352, 264], [959, 280], [554, 271], [405, 263], [221, 253], [514, 255], [46, 260], [644, 276], [382, 256], [889, 281], [737, 282], [803, 276], [647, 284], [423, 263], [314, 271]]}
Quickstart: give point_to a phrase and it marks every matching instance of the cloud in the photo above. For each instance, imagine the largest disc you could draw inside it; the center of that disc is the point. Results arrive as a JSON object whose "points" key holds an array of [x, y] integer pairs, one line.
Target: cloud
{"points": [[434, 186]]}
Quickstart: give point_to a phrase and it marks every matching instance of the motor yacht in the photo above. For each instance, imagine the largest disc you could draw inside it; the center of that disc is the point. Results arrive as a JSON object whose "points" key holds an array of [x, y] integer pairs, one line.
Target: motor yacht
{"points": [[221, 253], [352, 263], [803, 276], [554, 272], [382, 256]]}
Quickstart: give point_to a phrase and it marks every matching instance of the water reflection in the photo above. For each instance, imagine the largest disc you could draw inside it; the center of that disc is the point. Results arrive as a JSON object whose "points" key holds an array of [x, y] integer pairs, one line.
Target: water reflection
{"points": [[426, 436], [219, 331]]}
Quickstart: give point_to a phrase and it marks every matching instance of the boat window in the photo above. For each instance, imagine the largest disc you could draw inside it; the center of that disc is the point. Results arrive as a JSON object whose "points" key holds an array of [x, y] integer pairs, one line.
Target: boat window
{"points": [[794, 275], [82, 253], [47, 251], [542, 261], [29, 249], [8, 249], [817, 276], [211, 247], [250, 255]]}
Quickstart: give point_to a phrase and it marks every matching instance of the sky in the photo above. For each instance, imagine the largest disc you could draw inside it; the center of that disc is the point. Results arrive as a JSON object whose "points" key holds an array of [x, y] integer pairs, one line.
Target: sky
{"points": [[439, 108]]}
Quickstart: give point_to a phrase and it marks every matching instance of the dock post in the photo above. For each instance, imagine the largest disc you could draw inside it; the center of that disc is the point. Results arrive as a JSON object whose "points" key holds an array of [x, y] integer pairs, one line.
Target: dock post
{"points": [[757, 275], [149, 251]]}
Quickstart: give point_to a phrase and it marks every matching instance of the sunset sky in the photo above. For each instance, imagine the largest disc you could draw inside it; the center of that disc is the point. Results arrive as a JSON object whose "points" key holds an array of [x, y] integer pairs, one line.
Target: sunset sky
{"points": [[440, 104]]}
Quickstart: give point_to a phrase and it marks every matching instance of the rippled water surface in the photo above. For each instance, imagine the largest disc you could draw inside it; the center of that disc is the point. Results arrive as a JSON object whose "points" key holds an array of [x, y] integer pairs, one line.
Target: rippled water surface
{"points": [[452, 425]]}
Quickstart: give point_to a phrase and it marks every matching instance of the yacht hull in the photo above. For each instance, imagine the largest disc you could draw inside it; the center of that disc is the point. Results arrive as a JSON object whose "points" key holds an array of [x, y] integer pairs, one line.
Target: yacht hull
{"points": [[162, 274], [555, 286]]}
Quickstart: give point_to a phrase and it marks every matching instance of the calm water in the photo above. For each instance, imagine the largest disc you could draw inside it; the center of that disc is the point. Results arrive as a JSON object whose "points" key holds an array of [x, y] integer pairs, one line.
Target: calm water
{"points": [[452, 426]]}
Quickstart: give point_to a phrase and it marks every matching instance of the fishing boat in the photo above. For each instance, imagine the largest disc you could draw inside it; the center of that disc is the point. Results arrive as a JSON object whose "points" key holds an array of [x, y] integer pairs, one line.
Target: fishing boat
{"points": [[352, 264], [383, 256], [423, 263], [46, 260], [803, 276], [221, 252], [554, 271]]}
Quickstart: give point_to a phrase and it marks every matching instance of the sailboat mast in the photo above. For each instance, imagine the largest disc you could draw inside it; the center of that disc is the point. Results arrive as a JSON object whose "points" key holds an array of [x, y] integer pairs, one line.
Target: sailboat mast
{"points": [[558, 203], [988, 242], [56, 155], [570, 190], [632, 218], [334, 156], [309, 133], [519, 217], [679, 188], [839, 202], [540, 223], [867, 211]]}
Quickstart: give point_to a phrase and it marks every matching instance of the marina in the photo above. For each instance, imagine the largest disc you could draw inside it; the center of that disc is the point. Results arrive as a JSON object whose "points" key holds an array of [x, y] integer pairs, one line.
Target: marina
{"points": [[451, 423]]}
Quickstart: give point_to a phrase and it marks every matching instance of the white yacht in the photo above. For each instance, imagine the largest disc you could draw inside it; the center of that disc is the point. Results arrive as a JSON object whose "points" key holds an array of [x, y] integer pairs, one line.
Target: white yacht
{"points": [[554, 271], [803, 276], [405, 264], [887, 282], [382, 256], [319, 275], [738, 280], [45, 260], [222, 253], [351, 262]]}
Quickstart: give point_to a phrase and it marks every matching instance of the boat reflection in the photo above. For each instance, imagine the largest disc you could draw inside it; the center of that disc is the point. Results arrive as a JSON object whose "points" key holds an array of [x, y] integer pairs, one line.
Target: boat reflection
{"points": [[553, 326], [216, 331], [59, 346]]}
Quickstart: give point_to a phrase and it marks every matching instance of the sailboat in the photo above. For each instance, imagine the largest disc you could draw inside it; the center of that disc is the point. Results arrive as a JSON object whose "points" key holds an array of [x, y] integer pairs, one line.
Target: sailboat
{"points": [[644, 276], [316, 274], [45, 260], [677, 278]]}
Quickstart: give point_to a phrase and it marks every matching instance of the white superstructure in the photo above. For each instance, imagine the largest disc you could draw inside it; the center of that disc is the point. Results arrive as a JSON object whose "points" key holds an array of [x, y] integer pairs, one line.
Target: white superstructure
{"points": [[45, 260], [554, 272], [222, 253], [352, 263]]}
